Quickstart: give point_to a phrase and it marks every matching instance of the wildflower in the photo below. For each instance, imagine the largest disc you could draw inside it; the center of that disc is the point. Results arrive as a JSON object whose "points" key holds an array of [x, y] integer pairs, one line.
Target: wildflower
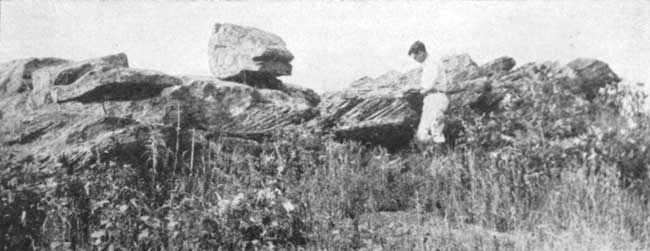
{"points": [[266, 194], [237, 200], [288, 206]]}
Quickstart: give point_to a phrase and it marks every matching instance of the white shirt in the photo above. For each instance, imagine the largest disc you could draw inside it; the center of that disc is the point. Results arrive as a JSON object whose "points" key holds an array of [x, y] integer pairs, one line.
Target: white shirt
{"points": [[433, 75]]}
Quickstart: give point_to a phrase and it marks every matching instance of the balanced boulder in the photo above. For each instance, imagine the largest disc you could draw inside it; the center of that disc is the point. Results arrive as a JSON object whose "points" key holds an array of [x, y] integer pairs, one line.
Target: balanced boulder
{"points": [[247, 55]]}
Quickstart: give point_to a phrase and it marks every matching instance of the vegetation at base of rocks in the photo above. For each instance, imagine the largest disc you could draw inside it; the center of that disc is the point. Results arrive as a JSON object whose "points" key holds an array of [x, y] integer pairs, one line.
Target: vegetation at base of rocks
{"points": [[576, 183]]}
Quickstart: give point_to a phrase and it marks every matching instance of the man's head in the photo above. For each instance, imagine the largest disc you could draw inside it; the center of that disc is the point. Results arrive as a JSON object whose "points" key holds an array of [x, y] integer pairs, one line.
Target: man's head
{"points": [[418, 52]]}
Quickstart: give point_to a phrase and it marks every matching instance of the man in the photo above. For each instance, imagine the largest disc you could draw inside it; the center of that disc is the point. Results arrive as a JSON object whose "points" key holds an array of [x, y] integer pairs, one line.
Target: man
{"points": [[434, 87]]}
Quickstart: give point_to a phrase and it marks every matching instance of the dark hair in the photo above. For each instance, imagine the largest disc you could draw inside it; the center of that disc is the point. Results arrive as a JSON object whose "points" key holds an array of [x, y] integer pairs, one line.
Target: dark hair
{"points": [[417, 47]]}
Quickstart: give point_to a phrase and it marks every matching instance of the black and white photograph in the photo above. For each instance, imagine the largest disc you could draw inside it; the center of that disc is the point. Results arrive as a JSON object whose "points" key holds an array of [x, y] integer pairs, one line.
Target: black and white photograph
{"points": [[446, 125]]}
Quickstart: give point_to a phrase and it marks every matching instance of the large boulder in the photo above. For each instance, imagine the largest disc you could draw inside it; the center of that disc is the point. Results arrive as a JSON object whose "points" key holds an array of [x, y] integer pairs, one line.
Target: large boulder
{"points": [[16, 75], [247, 54]]}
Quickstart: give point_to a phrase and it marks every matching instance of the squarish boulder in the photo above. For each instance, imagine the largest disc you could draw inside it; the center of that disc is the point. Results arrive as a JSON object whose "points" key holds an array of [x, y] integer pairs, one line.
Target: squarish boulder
{"points": [[247, 55]]}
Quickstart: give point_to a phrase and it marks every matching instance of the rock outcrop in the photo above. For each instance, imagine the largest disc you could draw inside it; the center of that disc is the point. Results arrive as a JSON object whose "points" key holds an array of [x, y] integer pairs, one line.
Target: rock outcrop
{"points": [[386, 110], [247, 55], [101, 108]]}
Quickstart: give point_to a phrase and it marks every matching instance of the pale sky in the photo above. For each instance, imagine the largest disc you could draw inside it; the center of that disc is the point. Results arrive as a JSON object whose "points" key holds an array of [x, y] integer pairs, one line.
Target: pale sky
{"points": [[334, 42]]}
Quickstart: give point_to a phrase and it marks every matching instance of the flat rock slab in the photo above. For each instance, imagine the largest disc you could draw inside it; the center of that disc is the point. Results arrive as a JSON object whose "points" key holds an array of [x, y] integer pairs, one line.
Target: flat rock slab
{"points": [[68, 73], [258, 54], [16, 75], [114, 84]]}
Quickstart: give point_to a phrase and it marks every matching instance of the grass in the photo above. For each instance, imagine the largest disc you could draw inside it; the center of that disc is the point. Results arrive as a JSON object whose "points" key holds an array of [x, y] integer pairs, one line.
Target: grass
{"points": [[307, 191]]}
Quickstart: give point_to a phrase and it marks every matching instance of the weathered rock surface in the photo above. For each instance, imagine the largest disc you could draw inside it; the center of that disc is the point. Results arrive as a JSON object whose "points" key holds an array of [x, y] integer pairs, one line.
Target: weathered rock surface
{"points": [[114, 84], [16, 76], [232, 109], [80, 138], [247, 54], [458, 69], [99, 109], [68, 73], [77, 127], [15, 105], [592, 75], [382, 111], [300, 92], [498, 67]]}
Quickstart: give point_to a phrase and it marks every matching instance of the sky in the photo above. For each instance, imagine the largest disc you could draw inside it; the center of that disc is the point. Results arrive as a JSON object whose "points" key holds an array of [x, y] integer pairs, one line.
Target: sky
{"points": [[334, 42]]}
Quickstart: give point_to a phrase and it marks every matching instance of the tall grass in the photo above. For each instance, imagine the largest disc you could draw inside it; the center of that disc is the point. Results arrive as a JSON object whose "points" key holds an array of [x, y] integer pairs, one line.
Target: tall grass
{"points": [[306, 191]]}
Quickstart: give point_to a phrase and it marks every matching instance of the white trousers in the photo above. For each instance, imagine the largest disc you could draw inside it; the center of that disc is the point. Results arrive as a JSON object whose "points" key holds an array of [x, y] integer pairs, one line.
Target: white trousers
{"points": [[430, 128]]}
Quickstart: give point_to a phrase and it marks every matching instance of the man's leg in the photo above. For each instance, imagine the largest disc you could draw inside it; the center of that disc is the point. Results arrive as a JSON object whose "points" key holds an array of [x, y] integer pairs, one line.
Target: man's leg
{"points": [[423, 133], [439, 104]]}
